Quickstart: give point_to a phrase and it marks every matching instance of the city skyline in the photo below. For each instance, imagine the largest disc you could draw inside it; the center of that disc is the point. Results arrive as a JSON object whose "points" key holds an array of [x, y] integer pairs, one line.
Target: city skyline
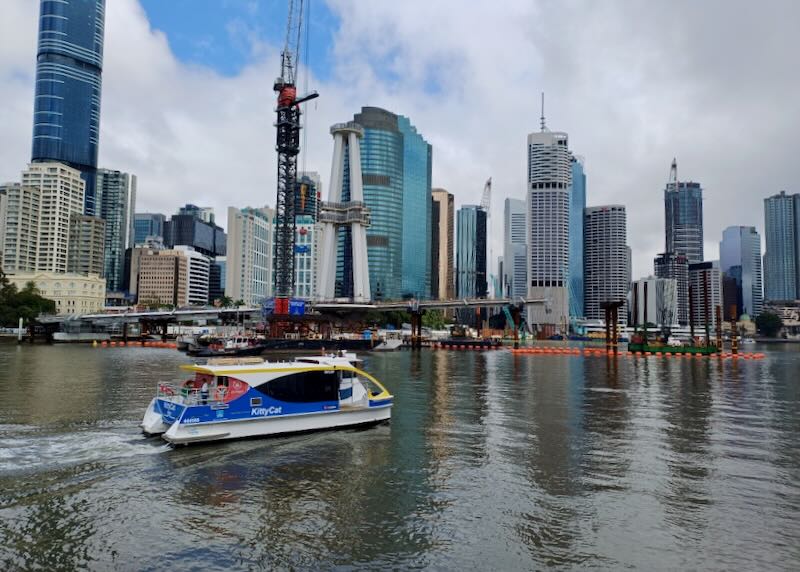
{"points": [[155, 136]]}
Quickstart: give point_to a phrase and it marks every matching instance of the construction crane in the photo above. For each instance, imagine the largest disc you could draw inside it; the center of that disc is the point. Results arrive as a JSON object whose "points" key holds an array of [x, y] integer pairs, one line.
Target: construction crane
{"points": [[288, 147]]}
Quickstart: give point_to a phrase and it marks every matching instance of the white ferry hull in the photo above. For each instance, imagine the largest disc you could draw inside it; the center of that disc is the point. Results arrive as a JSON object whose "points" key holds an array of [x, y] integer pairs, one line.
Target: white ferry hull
{"points": [[258, 427], [153, 422]]}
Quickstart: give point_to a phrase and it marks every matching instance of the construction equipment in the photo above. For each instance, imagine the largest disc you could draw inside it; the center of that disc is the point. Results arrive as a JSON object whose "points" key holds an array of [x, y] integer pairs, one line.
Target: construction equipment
{"points": [[288, 147]]}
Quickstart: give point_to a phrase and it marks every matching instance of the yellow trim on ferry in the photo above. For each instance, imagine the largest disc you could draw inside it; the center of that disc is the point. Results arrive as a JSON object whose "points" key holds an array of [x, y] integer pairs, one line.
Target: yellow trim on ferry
{"points": [[384, 394]]}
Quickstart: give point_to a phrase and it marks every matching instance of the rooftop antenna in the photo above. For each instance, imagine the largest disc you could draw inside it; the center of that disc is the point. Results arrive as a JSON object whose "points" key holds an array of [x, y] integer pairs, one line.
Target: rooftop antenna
{"points": [[544, 127]]}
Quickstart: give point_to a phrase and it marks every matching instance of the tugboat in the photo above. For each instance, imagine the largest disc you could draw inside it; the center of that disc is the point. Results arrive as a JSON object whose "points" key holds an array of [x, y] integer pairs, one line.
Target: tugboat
{"points": [[230, 398]]}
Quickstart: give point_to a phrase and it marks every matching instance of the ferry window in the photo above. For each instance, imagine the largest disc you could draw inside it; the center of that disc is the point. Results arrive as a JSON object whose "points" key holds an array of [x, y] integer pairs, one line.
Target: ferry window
{"points": [[303, 387], [255, 402], [222, 381]]}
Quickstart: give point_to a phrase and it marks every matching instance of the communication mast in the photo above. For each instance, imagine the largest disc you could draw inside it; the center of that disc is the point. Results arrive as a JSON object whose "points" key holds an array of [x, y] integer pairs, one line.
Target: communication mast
{"points": [[288, 147]]}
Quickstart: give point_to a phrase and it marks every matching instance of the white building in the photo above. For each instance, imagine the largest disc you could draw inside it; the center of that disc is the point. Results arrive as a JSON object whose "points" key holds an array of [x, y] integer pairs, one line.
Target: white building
{"points": [[661, 303], [515, 260], [72, 293], [197, 275], [248, 272], [3, 204], [606, 266], [38, 218], [306, 259], [548, 206]]}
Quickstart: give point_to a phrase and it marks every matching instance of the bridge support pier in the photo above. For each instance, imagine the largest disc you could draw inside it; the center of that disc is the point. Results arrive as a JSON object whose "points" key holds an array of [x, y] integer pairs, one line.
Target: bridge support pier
{"points": [[515, 314], [416, 328]]}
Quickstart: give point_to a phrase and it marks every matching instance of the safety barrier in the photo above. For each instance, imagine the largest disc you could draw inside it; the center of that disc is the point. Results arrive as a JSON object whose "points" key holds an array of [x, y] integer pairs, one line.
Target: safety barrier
{"points": [[135, 344]]}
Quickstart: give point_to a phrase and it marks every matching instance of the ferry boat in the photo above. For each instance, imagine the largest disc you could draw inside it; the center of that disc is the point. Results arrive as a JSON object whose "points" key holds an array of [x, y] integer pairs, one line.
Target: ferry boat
{"points": [[230, 398]]}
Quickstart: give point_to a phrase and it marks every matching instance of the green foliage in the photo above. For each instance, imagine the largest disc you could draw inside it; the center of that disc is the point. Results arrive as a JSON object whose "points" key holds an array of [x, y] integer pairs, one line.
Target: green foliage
{"points": [[26, 304], [769, 324], [434, 319]]}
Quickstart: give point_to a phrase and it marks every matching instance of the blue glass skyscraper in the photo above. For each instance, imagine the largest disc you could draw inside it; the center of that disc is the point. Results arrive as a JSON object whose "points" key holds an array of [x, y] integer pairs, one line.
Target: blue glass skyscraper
{"points": [[683, 209], [577, 202], [782, 256], [66, 114], [396, 174]]}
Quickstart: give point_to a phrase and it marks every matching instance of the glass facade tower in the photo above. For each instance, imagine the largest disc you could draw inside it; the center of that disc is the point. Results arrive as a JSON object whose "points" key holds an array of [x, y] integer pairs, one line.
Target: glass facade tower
{"points": [[683, 209], [396, 175], [116, 201], [416, 212], [471, 252], [782, 237], [66, 115], [740, 259], [577, 203]]}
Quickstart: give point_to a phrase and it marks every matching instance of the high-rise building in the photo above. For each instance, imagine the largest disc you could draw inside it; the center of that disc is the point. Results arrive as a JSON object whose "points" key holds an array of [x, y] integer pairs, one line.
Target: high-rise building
{"points": [[514, 278], [396, 167], [206, 214], [740, 258], [163, 278], [782, 237], [683, 209], [69, 65], [676, 266], [216, 279], [38, 218], [130, 284], [86, 245], [443, 285], [3, 209], [548, 204], [306, 257], [248, 270], [605, 259], [577, 202], [705, 280], [148, 225], [661, 304], [471, 252], [198, 271], [115, 204], [189, 230]]}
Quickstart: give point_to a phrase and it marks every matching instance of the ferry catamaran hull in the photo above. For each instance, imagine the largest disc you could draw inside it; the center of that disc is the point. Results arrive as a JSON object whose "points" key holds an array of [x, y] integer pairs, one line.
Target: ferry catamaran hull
{"points": [[246, 398]]}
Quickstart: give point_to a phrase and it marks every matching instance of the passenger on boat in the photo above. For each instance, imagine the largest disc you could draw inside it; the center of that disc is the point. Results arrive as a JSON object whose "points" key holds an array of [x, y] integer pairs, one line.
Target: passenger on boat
{"points": [[204, 393]]}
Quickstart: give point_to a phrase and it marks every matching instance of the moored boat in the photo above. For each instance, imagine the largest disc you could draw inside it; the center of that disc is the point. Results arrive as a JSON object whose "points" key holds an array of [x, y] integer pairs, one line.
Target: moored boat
{"points": [[250, 397]]}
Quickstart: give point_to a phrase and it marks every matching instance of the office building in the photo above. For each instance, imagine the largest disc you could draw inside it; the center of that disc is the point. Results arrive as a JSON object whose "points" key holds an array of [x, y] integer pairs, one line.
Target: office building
{"points": [[548, 203], [606, 271], [163, 278], [782, 238], [249, 262], [658, 305], [514, 276], [189, 230], [130, 284], [443, 286], [72, 293], [471, 252], [69, 65], [683, 209], [396, 168], [216, 279], [86, 245], [740, 258], [198, 270], [206, 214], [676, 266], [148, 225], [705, 281], [305, 258], [115, 204], [577, 202], [38, 212], [306, 196]]}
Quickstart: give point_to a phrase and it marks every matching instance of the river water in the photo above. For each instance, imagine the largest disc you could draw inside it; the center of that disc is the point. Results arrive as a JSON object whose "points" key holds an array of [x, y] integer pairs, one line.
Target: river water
{"points": [[491, 462]]}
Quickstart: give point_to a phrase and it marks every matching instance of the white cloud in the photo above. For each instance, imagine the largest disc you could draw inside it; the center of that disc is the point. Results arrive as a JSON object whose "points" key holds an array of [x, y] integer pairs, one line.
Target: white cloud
{"points": [[633, 84]]}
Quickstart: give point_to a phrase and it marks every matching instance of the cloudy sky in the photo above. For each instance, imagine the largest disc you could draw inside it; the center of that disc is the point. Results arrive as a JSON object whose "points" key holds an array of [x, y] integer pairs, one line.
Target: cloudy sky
{"points": [[188, 102]]}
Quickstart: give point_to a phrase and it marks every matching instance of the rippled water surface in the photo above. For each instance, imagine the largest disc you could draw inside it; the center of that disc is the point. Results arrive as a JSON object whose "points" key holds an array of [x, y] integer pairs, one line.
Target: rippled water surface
{"points": [[491, 462]]}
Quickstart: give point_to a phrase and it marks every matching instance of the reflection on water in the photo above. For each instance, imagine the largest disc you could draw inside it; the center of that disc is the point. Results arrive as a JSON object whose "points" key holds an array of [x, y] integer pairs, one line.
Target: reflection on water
{"points": [[492, 461]]}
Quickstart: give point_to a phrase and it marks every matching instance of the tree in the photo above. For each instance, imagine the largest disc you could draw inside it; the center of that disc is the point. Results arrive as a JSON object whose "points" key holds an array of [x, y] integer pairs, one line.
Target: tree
{"points": [[769, 324], [26, 304], [434, 319]]}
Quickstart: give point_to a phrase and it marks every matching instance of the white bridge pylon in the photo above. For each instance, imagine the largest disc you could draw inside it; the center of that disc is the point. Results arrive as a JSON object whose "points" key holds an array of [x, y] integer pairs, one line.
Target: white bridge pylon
{"points": [[336, 213]]}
